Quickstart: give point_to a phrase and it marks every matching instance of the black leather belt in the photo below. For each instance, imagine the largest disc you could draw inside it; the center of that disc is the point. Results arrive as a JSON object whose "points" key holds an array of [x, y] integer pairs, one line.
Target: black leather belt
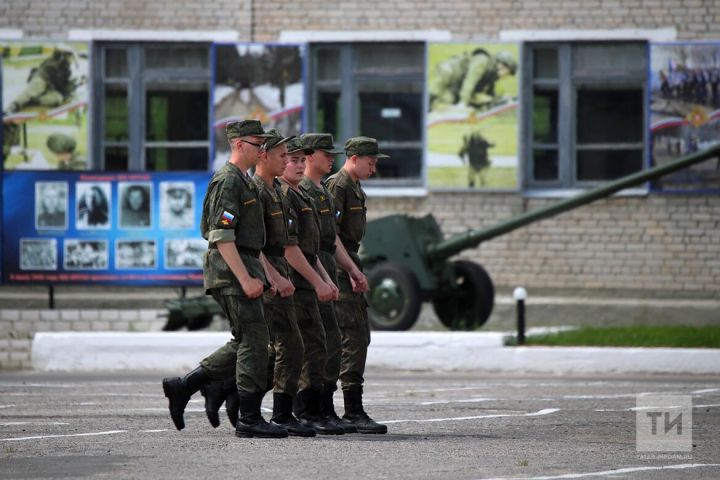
{"points": [[273, 251]]}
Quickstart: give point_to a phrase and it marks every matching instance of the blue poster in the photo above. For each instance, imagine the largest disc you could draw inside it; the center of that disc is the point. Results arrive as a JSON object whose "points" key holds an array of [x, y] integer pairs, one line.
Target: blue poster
{"points": [[101, 228]]}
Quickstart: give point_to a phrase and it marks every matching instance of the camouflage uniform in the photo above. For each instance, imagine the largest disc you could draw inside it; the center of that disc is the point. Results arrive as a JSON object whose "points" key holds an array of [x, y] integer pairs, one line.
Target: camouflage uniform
{"points": [[286, 346], [49, 85], [302, 214], [232, 211]]}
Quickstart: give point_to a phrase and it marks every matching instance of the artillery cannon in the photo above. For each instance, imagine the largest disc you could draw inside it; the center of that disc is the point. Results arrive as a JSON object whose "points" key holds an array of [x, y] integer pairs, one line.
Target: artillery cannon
{"points": [[406, 260]]}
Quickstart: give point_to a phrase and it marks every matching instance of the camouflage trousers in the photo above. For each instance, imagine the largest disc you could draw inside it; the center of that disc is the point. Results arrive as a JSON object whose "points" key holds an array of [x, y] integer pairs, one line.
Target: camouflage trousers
{"points": [[286, 347], [313, 336], [40, 92], [352, 318], [246, 355], [333, 340]]}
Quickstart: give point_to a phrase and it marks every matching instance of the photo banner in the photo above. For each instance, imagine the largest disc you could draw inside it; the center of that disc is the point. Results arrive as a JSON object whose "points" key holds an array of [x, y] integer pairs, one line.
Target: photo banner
{"points": [[685, 112], [472, 122], [257, 81], [95, 228], [45, 105]]}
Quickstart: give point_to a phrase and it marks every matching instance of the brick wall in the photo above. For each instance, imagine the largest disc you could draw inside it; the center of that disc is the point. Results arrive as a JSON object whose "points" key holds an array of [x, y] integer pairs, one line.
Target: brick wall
{"points": [[654, 244], [694, 19]]}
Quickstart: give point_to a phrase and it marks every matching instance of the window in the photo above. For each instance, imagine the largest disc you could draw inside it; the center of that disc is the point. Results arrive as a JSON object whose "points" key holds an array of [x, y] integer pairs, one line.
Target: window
{"points": [[584, 112], [375, 90], [153, 107]]}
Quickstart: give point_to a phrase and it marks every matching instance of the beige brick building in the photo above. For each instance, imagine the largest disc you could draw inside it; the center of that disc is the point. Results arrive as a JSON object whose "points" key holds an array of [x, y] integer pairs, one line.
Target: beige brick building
{"points": [[644, 243]]}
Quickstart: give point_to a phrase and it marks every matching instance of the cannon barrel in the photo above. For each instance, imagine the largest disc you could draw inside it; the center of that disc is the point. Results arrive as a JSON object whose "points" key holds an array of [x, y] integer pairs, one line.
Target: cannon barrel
{"points": [[451, 246]]}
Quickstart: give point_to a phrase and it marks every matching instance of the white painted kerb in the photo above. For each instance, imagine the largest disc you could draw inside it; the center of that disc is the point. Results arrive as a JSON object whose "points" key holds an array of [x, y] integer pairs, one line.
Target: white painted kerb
{"points": [[435, 351]]}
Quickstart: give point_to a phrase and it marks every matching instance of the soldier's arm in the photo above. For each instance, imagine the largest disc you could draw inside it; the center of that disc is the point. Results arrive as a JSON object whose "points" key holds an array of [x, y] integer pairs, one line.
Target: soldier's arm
{"points": [[323, 273], [357, 278], [297, 260], [280, 284], [252, 287]]}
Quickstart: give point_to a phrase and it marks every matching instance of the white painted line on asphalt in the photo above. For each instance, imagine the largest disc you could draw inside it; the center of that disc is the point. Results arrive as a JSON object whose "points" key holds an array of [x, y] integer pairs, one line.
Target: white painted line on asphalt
{"points": [[92, 434], [7, 406], [77, 384], [635, 409], [707, 406], [707, 390], [546, 411], [445, 389], [462, 400], [155, 431], [88, 403], [10, 424], [607, 473]]}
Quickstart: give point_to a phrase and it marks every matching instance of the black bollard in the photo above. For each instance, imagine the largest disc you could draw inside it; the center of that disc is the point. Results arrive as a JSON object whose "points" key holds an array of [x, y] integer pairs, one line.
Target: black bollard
{"points": [[520, 294]]}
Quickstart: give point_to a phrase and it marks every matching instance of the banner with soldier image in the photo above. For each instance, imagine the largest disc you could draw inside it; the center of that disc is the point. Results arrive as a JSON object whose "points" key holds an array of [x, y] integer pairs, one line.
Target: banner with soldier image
{"points": [[257, 81], [685, 112], [45, 105], [472, 122]]}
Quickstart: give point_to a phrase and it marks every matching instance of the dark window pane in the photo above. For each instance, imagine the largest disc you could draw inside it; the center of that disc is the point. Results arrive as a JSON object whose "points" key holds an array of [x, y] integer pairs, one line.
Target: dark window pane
{"points": [[328, 115], [403, 58], [176, 112], [545, 63], [189, 57], [603, 60], [403, 163], [116, 158], [607, 164], [115, 63], [609, 116], [160, 159], [391, 115], [545, 116], [116, 112], [328, 64], [545, 165]]}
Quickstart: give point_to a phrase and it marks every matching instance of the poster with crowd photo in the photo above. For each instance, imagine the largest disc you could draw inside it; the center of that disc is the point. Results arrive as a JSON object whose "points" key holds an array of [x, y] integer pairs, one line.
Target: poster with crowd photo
{"points": [[44, 105], [257, 81], [685, 112], [103, 228], [472, 122]]}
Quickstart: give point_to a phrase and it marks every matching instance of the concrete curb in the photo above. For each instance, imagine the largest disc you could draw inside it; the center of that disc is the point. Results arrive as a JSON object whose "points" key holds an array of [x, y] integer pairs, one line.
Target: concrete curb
{"points": [[439, 351]]}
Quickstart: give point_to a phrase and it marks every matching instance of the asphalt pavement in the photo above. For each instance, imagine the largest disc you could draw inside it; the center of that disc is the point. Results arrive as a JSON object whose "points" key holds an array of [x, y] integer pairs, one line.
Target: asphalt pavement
{"points": [[441, 426]]}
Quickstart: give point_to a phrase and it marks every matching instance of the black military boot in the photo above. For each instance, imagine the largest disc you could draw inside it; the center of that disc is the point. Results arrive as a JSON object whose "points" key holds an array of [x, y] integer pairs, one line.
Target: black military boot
{"points": [[283, 417], [214, 393], [232, 400], [311, 417], [179, 390], [251, 422], [355, 413], [327, 411]]}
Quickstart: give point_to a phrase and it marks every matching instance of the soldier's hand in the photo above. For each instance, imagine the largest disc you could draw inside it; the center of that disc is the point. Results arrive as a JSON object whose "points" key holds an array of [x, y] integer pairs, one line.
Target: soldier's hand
{"points": [[285, 287], [324, 292], [359, 282], [336, 291], [252, 287]]}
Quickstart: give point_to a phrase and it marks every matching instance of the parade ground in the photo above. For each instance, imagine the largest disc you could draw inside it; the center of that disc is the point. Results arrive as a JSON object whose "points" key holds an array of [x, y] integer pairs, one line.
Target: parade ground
{"points": [[444, 426]]}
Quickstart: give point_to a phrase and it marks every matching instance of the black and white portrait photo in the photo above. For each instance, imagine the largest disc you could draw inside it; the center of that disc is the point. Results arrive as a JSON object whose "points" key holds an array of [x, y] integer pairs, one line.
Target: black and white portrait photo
{"points": [[92, 205], [135, 204], [51, 205], [185, 252], [85, 254], [176, 205], [38, 254], [131, 254]]}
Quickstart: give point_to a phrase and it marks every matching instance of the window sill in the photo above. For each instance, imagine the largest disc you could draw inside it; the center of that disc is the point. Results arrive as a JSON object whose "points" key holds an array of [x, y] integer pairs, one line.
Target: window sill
{"points": [[571, 192]]}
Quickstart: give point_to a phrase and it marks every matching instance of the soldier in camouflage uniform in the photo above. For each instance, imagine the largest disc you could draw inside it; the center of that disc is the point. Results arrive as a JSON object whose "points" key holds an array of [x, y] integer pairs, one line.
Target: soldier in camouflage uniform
{"points": [[318, 164], [312, 284], [362, 155], [232, 222], [50, 84], [475, 146], [469, 78]]}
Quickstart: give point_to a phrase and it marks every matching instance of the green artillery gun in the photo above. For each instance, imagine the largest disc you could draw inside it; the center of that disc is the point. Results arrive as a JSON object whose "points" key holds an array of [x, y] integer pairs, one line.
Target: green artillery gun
{"points": [[406, 260]]}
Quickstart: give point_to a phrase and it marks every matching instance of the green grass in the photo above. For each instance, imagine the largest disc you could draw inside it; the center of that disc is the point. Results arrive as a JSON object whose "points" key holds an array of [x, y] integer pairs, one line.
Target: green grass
{"points": [[672, 336], [457, 177], [500, 129]]}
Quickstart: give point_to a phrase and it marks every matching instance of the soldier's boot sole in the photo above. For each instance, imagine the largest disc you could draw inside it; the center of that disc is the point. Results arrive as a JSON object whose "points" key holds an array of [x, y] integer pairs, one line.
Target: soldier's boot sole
{"points": [[177, 400]]}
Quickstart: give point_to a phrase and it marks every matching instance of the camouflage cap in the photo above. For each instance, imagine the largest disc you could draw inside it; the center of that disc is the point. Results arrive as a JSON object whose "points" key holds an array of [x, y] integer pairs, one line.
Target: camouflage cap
{"points": [[60, 143], [245, 128], [296, 145], [320, 141], [363, 146], [273, 139]]}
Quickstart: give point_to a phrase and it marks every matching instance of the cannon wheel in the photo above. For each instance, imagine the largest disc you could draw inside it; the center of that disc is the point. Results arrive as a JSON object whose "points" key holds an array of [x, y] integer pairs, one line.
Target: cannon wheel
{"points": [[469, 305], [394, 297]]}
